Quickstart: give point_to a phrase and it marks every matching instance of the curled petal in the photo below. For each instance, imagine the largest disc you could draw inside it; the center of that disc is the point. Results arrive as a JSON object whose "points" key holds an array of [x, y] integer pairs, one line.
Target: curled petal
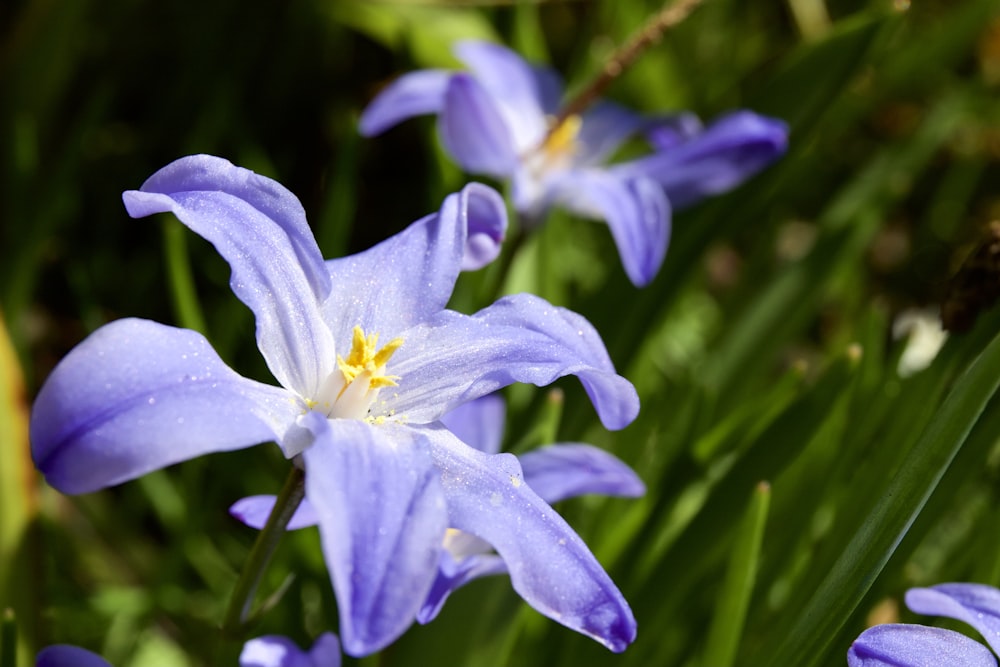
{"points": [[452, 575], [259, 227], [549, 565], [567, 470], [474, 131], [729, 151], [382, 520], [455, 358], [975, 604], [903, 645], [486, 218], [278, 651], [635, 209], [64, 655], [519, 91], [413, 94], [136, 396], [410, 276], [254, 511], [479, 423]]}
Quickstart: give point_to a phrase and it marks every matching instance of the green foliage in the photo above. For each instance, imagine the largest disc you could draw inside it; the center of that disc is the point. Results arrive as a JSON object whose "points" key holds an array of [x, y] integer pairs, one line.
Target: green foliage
{"points": [[763, 352]]}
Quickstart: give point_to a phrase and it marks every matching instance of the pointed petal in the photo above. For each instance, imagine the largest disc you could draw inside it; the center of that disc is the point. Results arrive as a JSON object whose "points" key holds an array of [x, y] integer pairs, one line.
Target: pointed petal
{"points": [[520, 92], [903, 645], [479, 423], [455, 358], [474, 131], [413, 94], [635, 209], [259, 227], [382, 521], [550, 566], [254, 511], [410, 276], [728, 152], [975, 604], [64, 655], [136, 396], [566, 470], [452, 575]]}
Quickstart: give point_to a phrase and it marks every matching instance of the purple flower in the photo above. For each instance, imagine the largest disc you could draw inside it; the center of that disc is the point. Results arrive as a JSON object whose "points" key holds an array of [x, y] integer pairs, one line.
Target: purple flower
{"points": [[497, 120], [65, 655], [904, 645], [269, 651], [367, 359], [278, 651], [554, 473]]}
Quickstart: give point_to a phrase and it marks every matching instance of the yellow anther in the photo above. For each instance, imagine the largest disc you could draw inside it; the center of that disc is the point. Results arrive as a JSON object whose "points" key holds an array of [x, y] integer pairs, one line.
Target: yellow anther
{"points": [[365, 356], [562, 138]]}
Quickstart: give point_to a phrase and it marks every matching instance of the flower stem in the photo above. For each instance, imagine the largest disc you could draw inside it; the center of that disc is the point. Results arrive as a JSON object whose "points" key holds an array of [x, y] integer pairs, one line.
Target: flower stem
{"points": [[649, 34], [260, 555]]}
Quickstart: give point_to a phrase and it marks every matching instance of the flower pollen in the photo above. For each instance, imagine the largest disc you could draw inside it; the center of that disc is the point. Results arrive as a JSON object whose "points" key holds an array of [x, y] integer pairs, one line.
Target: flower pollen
{"points": [[364, 357]]}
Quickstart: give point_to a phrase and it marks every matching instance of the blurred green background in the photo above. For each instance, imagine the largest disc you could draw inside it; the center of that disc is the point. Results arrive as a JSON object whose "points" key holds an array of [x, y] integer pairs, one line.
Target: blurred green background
{"points": [[764, 351]]}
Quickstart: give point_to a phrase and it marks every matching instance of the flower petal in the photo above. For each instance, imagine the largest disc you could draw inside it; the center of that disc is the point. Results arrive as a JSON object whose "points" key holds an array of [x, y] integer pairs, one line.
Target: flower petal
{"points": [[635, 209], [279, 651], [605, 126], [409, 277], [518, 90], [550, 566], [64, 655], [566, 470], [254, 511], [486, 221], [474, 131], [382, 520], [455, 358], [975, 604], [413, 94], [729, 151], [452, 575], [259, 227], [136, 396], [479, 423], [904, 645]]}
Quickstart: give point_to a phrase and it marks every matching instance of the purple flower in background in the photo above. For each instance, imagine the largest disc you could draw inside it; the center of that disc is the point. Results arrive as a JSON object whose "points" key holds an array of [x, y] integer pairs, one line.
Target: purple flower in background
{"points": [[497, 119], [367, 359], [269, 651], [278, 651], [905, 645], [65, 655], [554, 473]]}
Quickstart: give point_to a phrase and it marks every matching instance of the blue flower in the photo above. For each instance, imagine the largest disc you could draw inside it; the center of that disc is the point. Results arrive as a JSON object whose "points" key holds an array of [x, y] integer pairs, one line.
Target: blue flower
{"points": [[497, 120], [905, 645], [367, 359], [554, 473], [268, 651], [278, 651]]}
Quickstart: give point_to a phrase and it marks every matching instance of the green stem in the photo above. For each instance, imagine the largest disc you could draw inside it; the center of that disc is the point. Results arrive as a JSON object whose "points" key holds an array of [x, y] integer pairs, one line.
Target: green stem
{"points": [[260, 555], [182, 288], [8, 639]]}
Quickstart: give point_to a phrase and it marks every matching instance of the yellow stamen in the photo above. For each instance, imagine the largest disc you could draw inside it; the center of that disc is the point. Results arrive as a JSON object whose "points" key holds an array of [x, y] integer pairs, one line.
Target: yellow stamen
{"points": [[365, 356], [562, 138]]}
